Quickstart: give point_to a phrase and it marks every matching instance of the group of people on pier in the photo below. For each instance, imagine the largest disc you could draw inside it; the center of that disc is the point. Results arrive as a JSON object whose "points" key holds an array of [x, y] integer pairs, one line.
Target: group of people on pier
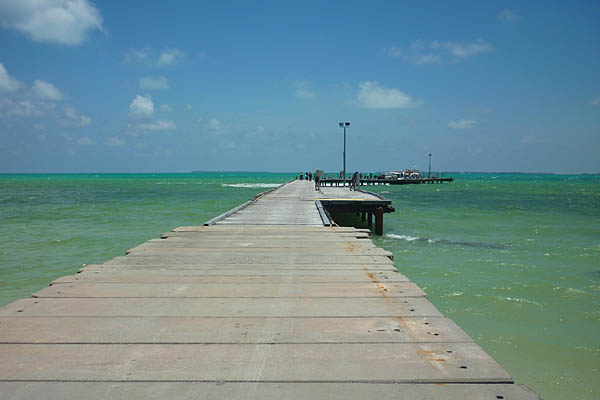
{"points": [[309, 176]]}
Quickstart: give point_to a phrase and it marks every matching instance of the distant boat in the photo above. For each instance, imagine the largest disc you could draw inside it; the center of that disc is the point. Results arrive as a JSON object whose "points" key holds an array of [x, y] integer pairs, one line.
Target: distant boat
{"points": [[408, 174]]}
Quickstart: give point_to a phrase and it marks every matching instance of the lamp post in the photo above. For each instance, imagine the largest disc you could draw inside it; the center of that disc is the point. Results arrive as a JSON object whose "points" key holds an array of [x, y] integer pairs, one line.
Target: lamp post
{"points": [[429, 174], [344, 125]]}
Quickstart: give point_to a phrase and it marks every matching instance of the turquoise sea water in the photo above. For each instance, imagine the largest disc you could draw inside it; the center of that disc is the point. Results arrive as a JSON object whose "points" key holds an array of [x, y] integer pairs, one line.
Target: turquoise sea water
{"points": [[514, 259]]}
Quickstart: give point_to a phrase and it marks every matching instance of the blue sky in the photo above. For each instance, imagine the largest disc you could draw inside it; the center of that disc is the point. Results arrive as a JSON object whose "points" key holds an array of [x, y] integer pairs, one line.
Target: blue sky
{"points": [[146, 86]]}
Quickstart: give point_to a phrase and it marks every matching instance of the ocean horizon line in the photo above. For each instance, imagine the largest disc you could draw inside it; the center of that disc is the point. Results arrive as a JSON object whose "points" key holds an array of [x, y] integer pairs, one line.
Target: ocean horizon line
{"points": [[287, 172]]}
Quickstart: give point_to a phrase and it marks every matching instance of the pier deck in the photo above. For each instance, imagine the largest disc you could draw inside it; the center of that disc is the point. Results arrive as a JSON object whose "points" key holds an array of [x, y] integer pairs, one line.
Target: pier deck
{"points": [[265, 303]]}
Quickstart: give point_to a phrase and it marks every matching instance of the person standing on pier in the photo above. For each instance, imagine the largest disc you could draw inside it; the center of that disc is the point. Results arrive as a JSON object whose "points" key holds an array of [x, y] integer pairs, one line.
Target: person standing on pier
{"points": [[353, 181]]}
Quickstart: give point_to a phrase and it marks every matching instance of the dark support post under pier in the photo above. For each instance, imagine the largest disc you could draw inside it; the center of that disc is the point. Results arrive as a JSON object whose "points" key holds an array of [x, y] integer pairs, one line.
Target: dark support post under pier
{"points": [[363, 216], [370, 220], [379, 221]]}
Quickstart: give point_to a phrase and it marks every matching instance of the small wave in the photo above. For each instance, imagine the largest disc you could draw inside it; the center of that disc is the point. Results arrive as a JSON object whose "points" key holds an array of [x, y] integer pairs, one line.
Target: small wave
{"points": [[409, 238], [520, 300], [402, 237], [574, 291], [251, 185]]}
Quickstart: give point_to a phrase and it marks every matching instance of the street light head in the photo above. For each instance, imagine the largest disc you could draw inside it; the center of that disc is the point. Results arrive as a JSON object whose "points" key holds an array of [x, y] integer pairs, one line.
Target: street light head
{"points": [[347, 123], [341, 124]]}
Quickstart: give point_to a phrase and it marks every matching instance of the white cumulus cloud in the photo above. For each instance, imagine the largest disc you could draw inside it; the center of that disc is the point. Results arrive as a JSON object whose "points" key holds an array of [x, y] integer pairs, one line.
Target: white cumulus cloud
{"points": [[165, 108], [462, 124], [141, 107], [159, 125], [7, 82], [170, 57], [373, 95], [153, 83], [66, 22], [46, 91]]}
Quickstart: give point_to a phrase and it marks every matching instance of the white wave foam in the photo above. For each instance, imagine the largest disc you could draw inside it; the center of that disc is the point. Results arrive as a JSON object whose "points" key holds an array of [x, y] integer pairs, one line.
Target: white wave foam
{"points": [[251, 185], [402, 237]]}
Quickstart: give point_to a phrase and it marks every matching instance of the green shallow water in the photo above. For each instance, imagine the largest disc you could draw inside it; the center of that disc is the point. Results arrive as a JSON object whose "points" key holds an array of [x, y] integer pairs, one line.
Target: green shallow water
{"points": [[514, 259]]}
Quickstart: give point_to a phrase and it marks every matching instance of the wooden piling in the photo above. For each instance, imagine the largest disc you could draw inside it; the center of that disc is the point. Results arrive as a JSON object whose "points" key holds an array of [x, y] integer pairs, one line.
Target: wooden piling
{"points": [[379, 221]]}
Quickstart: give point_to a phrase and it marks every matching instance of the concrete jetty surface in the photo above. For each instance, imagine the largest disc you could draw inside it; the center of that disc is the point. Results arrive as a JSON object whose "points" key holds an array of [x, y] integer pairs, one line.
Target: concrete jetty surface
{"points": [[266, 303]]}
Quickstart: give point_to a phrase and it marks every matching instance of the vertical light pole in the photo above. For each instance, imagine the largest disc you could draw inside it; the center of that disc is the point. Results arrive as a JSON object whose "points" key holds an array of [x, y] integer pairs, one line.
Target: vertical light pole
{"points": [[344, 125], [429, 174]]}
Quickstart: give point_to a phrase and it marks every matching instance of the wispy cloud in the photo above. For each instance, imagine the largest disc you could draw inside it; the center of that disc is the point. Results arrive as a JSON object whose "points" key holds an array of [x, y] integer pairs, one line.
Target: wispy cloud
{"points": [[114, 141], [153, 83], [462, 124], [462, 50], [437, 52], [373, 95], [303, 90], [215, 125], [141, 107], [170, 57], [393, 51], [509, 16], [74, 118], [85, 141], [65, 22], [158, 125], [529, 139], [426, 58], [595, 102], [24, 108], [46, 91], [150, 57], [144, 55], [165, 108]]}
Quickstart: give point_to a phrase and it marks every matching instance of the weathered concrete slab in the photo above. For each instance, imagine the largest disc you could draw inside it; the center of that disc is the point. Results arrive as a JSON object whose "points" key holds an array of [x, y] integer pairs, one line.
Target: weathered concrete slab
{"points": [[215, 235], [158, 265], [200, 290], [259, 243], [223, 307], [263, 390], [381, 362], [235, 276], [357, 246], [258, 228], [341, 252], [254, 258], [228, 330]]}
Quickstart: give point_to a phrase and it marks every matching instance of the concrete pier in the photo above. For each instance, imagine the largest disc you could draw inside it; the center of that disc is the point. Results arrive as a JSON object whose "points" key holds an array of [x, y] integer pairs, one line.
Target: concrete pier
{"points": [[263, 303]]}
